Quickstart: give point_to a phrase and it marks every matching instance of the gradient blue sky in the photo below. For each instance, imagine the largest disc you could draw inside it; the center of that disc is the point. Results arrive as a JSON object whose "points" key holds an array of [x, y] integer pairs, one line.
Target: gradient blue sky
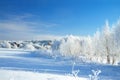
{"points": [[42, 19]]}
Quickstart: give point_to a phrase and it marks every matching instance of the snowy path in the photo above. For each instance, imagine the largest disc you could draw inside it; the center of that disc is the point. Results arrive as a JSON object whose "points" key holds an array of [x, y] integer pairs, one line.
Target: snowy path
{"points": [[41, 63]]}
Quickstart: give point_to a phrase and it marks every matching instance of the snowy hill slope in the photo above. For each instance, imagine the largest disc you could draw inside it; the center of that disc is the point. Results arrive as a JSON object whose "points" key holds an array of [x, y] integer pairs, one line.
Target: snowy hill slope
{"points": [[26, 65]]}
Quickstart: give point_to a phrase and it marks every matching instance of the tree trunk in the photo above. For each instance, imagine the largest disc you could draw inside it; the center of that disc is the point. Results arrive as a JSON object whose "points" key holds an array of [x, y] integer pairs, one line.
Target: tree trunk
{"points": [[113, 61], [108, 59], [108, 54]]}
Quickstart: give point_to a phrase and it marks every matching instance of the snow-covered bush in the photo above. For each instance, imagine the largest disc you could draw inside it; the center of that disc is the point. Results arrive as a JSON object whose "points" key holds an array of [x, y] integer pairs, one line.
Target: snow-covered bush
{"points": [[6, 44], [15, 46], [95, 75], [29, 46], [74, 72]]}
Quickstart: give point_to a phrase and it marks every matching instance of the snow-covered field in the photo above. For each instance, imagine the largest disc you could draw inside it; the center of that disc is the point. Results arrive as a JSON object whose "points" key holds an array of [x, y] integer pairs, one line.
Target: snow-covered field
{"points": [[16, 64], [25, 75], [27, 65]]}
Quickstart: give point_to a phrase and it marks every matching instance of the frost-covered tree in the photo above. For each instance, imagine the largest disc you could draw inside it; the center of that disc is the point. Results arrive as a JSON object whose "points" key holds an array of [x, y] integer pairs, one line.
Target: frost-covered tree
{"points": [[116, 42], [70, 46], [106, 41], [106, 44], [88, 47], [97, 46], [55, 45]]}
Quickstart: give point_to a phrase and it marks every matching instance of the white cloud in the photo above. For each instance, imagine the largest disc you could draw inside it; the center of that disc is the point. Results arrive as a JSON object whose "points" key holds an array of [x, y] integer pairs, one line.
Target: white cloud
{"points": [[19, 29]]}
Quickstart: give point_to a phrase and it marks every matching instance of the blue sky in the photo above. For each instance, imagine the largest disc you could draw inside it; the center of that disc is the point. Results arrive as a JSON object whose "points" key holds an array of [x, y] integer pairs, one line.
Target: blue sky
{"points": [[42, 19]]}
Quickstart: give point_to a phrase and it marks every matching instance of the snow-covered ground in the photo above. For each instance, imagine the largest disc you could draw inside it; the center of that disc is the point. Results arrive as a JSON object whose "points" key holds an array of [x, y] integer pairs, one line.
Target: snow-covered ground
{"points": [[16, 64], [26, 75]]}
